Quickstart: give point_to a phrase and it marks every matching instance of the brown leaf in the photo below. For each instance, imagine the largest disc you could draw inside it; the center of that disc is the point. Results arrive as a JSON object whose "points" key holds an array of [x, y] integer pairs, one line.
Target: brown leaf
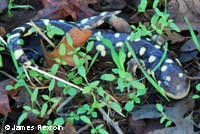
{"points": [[68, 129], [189, 45], [61, 9], [120, 24], [79, 38], [189, 8], [174, 37], [103, 5], [4, 102], [2, 32], [175, 114]]}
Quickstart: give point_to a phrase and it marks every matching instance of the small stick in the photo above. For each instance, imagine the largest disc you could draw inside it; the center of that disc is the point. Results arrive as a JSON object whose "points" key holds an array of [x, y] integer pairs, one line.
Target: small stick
{"points": [[42, 34], [54, 77], [115, 125]]}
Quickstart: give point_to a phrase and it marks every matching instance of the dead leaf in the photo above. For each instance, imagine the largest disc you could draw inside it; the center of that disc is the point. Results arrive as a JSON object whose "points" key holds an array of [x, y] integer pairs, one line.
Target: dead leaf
{"points": [[68, 129], [3, 5], [61, 9], [4, 101], [175, 114], [189, 45], [189, 8], [2, 32], [103, 5], [120, 24], [79, 38], [174, 37], [187, 56]]}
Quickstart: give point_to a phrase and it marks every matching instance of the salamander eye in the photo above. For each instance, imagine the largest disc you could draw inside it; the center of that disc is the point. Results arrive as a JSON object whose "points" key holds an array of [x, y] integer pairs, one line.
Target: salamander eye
{"points": [[174, 80]]}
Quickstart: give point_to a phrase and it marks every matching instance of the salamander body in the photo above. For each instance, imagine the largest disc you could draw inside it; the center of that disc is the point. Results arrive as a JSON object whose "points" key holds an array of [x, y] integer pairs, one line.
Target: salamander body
{"points": [[169, 75]]}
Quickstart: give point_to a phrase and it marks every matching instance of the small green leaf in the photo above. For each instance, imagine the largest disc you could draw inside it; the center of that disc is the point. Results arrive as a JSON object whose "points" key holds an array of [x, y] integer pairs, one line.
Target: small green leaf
{"points": [[78, 80], [54, 100], [174, 27], [142, 6], [141, 92], [138, 85], [168, 123], [45, 97], [34, 95], [57, 30], [163, 118], [43, 109], [115, 106], [51, 85], [9, 87], [159, 107], [90, 87], [89, 46], [198, 87], [27, 108], [62, 49], [22, 117], [82, 71], [59, 121], [129, 106], [85, 119], [100, 91], [102, 131], [69, 39], [108, 77], [155, 3], [54, 69], [35, 111], [94, 114], [195, 96]]}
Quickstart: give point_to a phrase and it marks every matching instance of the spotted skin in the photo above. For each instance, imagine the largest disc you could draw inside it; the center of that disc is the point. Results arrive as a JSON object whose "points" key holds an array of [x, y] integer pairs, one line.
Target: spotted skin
{"points": [[169, 75]]}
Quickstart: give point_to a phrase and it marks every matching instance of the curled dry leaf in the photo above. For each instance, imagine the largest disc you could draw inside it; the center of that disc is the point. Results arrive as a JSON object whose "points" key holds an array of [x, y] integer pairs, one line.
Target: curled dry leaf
{"points": [[61, 9], [79, 38], [189, 8], [4, 101], [120, 24], [175, 114]]}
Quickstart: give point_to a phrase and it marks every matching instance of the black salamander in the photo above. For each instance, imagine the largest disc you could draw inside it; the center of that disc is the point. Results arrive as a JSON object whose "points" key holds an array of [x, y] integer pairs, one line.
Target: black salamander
{"points": [[169, 75]]}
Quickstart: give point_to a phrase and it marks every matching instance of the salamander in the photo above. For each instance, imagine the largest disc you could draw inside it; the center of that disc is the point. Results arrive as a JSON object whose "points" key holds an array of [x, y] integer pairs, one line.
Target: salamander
{"points": [[170, 75]]}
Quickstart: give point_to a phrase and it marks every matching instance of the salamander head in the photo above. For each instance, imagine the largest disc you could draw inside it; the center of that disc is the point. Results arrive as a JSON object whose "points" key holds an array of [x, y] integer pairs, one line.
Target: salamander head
{"points": [[174, 80]]}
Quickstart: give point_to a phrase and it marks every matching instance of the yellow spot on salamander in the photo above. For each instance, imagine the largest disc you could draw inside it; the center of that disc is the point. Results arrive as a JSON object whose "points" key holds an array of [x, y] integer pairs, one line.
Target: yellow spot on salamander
{"points": [[151, 59], [142, 51], [163, 68], [18, 53]]}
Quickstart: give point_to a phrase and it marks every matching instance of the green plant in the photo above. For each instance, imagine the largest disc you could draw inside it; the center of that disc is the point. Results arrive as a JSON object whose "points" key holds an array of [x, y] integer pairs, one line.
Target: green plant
{"points": [[164, 117], [12, 5], [196, 96], [160, 20], [2, 48]]}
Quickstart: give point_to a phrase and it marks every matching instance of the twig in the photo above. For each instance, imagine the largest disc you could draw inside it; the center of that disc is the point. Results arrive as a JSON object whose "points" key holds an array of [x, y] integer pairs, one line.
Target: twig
{"points": [[54, 106], [8, 75], [88, 125], [60, 107], [54, 77], [42, 34], [29, 79], [193, 77], [115, 125]]}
